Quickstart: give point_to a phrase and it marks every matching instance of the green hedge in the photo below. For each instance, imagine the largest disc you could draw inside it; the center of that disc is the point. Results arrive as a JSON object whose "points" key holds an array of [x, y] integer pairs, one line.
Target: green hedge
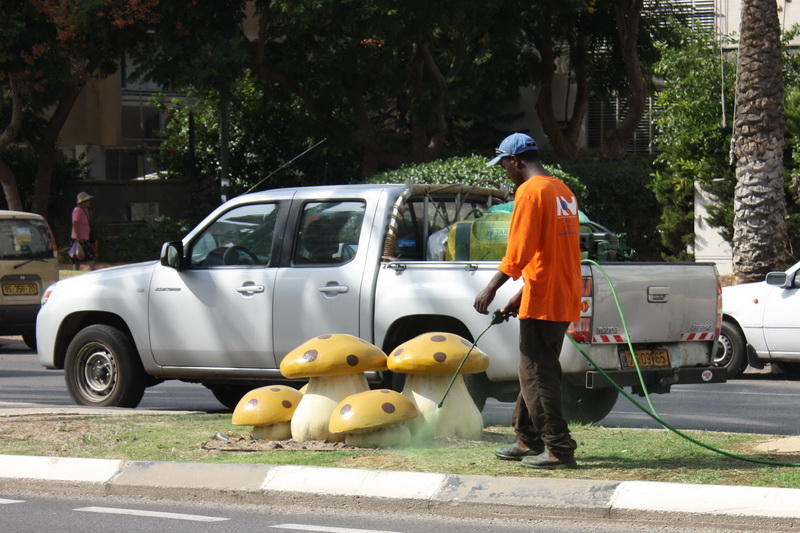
{"points": [[614, 192]]}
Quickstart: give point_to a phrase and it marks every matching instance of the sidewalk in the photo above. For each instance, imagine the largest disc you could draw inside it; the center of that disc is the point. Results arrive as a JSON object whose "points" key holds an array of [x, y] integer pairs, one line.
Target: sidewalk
{"points": [[729, 507], [743, 508], [470, 496]]}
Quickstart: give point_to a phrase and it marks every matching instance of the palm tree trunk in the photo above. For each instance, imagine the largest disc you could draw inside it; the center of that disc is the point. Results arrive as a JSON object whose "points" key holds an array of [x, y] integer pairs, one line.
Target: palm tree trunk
{"points": [[759, 227]]}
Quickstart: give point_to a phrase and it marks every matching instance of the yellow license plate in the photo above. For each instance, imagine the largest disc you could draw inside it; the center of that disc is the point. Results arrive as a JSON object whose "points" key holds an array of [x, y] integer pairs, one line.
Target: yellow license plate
{"points": [[11, 289], [647, 358]]}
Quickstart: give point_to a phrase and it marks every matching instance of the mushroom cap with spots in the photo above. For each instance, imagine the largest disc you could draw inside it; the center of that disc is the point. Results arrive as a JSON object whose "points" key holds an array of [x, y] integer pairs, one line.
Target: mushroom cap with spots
{"points": [[370, 410], [332, 355], [437, 353], [266, 405]]}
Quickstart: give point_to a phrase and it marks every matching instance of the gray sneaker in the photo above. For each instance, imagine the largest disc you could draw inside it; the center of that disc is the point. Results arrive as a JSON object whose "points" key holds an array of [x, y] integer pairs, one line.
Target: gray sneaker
{"points": [[515, 452]]}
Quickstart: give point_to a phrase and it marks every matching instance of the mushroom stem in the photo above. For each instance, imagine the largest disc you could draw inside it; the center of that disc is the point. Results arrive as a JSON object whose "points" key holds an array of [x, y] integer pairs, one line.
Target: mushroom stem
{"points": [[279, 431], [458, 416], [310, 419]]}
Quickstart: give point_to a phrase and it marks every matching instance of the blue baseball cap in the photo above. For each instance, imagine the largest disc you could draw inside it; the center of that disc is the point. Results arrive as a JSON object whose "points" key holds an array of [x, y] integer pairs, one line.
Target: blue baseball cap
{"points": [[514, 144]]}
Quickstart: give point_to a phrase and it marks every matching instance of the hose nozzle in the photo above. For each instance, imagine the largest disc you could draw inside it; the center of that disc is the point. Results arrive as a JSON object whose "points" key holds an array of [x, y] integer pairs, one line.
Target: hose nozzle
{"points": [[498, 317]]}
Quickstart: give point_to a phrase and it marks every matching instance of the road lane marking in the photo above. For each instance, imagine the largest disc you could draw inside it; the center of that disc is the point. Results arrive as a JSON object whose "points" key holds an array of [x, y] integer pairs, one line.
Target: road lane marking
{"points": [[326, 529], [153, 514], [2, 501]]}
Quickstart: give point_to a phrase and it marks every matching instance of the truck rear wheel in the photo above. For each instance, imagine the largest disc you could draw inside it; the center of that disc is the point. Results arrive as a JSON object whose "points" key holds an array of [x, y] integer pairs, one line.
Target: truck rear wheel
{"points": [[228, 395], [103, 369], [478, 387], [587, 406]]}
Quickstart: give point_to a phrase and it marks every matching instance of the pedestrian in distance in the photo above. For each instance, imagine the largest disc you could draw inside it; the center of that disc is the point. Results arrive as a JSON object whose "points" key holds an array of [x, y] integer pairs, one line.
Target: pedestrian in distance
{"points": [[84, 244], [544, 249]]}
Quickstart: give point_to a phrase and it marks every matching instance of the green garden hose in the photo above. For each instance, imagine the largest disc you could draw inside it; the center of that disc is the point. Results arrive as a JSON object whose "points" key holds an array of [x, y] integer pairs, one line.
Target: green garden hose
{"points": [[652, 413], [498, 317]]}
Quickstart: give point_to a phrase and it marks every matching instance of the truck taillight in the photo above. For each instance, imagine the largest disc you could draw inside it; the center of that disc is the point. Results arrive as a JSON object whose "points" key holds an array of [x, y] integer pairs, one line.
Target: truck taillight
{"points": [[718, 326], [581, 330]]}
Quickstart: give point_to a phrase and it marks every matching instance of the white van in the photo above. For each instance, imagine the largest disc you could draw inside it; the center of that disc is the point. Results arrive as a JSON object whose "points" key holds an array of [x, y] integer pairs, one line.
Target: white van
{"points": [[28, 265]]}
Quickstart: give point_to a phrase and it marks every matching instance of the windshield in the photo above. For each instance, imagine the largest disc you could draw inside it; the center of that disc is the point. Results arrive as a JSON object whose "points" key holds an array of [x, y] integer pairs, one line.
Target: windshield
{"points": [[24, 239]]}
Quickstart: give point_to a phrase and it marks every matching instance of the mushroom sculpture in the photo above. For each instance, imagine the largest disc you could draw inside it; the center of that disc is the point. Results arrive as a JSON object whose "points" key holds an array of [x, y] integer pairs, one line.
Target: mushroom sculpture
{"points": [[269, 410], [374, 419], [335, 366], [430, 361]]}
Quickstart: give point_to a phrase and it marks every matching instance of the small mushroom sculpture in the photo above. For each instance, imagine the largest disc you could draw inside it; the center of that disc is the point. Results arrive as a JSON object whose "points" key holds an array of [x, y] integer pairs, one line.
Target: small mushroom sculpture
{"points": [[269, 410], [334, 365], [430, 361], [374, 419]]}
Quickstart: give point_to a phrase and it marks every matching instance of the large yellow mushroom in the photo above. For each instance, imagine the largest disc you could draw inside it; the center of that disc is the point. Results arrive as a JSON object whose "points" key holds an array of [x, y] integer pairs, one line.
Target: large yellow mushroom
{"points": [[335, 365], [374, 419], [430, 361], [269, 410]]}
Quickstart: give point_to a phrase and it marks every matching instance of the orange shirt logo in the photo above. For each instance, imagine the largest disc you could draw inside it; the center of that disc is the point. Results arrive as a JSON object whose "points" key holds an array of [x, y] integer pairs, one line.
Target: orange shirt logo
{"points": [[566, 208]]}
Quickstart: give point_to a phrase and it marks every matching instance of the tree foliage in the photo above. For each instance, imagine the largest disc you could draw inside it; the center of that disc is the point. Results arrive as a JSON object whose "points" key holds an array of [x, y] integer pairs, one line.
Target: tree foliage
{"points": [[49, 49], [393, 84], [694, 120], [694, 137]]}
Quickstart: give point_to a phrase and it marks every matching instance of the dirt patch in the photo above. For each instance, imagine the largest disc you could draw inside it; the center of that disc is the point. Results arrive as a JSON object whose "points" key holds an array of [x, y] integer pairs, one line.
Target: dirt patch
{"points": [[223, 443]]}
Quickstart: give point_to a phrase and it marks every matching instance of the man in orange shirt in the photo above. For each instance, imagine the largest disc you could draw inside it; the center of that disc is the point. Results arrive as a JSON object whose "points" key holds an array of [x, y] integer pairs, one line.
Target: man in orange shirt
{"points": [[544, 249]]}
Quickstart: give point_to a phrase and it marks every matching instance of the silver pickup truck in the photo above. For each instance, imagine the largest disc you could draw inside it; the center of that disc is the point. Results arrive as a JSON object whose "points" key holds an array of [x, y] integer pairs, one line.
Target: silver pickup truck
{"points": [[267, 271]]}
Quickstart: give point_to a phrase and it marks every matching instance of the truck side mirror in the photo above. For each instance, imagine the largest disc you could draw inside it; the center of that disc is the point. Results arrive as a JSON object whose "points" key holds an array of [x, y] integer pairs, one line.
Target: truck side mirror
{"points": [[776, 278], [172, 254]]}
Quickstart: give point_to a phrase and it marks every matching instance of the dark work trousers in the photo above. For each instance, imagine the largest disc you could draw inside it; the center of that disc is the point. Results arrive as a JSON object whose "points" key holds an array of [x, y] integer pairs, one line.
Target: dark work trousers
{"points": [[537, 417]]}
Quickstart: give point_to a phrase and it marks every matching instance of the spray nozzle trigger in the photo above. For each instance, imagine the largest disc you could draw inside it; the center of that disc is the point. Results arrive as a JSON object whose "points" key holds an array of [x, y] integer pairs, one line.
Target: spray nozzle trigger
{"points": [[498, 317]]}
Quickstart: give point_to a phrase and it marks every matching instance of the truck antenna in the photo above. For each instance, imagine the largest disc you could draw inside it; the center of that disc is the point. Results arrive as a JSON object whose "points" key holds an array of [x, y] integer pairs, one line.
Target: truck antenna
{"points": [[298, 156]]}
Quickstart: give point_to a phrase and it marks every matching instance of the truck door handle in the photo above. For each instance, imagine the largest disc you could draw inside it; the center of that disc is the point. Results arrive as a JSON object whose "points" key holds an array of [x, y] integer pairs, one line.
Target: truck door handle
{"points": [[334, 289], [250, 289], [658, 295]]}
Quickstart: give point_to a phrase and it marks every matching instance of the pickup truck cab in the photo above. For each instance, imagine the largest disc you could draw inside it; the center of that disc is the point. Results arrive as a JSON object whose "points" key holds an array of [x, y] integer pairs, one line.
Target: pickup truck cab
{"points": [[267, 271]]}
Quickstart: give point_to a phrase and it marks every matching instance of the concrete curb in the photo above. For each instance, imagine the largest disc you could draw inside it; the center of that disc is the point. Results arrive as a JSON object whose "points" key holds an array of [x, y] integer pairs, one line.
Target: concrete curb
{"points": [[437, 494]]}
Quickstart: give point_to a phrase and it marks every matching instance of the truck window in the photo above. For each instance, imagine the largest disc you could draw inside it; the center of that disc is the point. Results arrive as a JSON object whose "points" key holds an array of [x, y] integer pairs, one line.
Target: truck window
{"points": [[425, 216], [329, 232], [241, 237]]}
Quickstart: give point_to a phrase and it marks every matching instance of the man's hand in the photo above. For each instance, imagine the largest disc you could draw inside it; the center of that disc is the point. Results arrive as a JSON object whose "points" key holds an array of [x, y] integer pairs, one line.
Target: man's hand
{"points": [[484, 299]]}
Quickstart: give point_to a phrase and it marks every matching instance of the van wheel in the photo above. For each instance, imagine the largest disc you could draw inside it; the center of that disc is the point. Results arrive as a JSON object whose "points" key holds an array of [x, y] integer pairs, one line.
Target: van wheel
{"points": [[103, 369], [30, 340], [587, 406]]}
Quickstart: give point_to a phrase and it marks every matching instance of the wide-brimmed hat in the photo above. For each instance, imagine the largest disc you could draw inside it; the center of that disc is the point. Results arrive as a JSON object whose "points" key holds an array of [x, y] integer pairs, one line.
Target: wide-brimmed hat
{"points": [[514, 144], [82, 197]]}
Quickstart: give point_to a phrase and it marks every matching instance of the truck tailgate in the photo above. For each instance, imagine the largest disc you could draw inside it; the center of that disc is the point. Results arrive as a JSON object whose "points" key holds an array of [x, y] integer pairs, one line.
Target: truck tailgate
{"points": [[661, 302]]}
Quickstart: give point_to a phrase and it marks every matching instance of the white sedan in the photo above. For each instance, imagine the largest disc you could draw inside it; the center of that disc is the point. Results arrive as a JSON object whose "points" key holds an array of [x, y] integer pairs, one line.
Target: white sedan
{"points": [[761, 324]]}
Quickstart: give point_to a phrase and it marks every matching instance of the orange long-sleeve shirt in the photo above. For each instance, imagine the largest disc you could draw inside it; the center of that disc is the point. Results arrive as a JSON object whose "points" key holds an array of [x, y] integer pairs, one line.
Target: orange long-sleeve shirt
{"points": [[544, 248]]}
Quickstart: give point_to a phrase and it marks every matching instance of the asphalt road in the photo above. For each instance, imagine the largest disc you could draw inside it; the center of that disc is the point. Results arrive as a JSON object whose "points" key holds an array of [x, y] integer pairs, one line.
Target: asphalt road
{"points": [[24, 512], [757, 403]]}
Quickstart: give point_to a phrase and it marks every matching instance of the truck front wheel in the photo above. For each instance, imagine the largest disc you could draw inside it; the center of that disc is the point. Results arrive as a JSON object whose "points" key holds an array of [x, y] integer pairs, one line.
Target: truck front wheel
{"points": [[103, 369]]}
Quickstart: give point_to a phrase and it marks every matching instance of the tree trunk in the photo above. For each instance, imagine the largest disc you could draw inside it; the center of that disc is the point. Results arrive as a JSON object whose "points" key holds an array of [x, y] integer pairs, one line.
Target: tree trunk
{"points": [[47, 148], [628, 13], [544, 104], [9, 183], [759, 227], [8, 180], [564, 143]]}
